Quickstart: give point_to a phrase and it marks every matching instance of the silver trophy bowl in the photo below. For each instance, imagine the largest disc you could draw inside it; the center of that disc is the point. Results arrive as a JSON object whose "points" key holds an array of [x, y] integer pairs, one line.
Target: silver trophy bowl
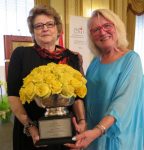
{"points": [[55, 105]]}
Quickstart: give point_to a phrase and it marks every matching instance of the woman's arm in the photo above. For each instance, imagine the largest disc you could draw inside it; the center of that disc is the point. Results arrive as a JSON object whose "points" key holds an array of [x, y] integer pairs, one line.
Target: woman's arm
{"points": [[18, 109], [105, 123], [20, 113], [79, 110]]}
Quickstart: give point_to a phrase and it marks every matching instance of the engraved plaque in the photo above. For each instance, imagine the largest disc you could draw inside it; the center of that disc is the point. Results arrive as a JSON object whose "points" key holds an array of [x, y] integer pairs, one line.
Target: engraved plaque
{"points": [[55, 128]]}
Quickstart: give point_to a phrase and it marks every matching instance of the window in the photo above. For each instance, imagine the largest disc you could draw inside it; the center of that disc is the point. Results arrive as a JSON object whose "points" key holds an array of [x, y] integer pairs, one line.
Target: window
{"points": [[139, 37], [13, 18]]}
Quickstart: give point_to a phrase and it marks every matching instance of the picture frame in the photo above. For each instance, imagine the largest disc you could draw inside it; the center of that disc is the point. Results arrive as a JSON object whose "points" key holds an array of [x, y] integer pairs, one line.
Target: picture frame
{"points": [[10, 43]]}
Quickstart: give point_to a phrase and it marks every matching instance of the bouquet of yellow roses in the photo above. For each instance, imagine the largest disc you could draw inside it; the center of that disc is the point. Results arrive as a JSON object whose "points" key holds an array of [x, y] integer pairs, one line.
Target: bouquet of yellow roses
{"points": [[51, 79]]}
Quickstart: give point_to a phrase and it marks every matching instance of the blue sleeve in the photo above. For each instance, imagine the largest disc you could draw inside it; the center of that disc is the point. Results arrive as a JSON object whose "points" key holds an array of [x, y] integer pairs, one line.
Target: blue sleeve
{"points": [[127, 96]]}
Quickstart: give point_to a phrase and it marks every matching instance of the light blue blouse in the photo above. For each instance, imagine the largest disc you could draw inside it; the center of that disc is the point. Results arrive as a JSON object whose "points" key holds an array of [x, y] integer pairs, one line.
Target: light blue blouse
{"points": [[117, 89]]}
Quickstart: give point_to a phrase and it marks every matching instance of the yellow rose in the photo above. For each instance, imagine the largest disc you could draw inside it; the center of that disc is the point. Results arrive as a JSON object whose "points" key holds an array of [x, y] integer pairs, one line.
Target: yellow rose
{"points": [[30, 90], [23, 97], [76, 83], [56, 87], [81, 92], [68, 91], [42, 89]]}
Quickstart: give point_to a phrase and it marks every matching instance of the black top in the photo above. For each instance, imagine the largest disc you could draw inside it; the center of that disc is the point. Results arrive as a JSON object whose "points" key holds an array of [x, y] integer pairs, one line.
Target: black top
{"points": [[23, 60]]}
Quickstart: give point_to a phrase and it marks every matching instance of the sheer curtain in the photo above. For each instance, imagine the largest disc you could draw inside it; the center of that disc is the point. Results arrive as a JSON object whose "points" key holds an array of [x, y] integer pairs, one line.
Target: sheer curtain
{"points": [[13, 15], [139, 37]]}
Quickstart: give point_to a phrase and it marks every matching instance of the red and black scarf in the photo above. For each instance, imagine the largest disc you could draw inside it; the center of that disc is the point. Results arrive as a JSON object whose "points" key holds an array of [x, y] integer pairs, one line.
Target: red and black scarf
{"points": [[58, 54]]}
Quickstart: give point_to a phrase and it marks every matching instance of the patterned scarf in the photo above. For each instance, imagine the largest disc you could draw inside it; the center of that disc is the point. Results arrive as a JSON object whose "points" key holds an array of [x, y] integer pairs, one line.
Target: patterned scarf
{"points": [[58, 54]]}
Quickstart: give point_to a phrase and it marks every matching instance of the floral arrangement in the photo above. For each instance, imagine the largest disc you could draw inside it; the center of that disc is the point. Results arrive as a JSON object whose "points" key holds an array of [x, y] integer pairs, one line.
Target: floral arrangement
{"points": [[5, 111], [51, 79]]}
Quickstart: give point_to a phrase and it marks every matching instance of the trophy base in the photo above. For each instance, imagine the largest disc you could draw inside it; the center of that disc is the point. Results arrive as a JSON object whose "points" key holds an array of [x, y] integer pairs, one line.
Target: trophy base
{"points": [[55, 130], [42, 142]]}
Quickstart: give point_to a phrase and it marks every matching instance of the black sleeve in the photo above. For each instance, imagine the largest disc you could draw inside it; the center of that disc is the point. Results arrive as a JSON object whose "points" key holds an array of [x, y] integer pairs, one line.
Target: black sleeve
{"points": [[14, 80], [75, 60]]}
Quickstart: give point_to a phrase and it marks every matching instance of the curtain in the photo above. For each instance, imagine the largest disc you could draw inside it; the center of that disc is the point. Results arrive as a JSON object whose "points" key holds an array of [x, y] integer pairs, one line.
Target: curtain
{"points": [[135, 7], [120, 8], [131, 28], [42, 2]]}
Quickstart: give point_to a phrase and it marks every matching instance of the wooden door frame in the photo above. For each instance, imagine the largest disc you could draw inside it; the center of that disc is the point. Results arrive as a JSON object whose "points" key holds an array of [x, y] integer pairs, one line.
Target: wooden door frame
{"points": [[10, 43]]}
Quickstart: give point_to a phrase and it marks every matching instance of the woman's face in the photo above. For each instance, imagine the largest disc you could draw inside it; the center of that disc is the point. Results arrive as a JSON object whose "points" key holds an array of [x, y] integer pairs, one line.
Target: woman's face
{"points": [[103, 33], [45, 30]]}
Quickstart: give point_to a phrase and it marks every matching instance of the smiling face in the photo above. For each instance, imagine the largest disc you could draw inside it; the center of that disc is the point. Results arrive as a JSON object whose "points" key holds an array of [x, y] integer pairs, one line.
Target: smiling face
{"points": [[45, 30], [103, 33]]}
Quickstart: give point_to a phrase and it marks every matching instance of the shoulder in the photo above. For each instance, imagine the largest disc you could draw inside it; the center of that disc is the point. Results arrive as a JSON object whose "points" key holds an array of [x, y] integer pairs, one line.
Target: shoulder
{"points": [[74, 53], [132, 56], [132, 53], [95, 61], [22, 50], [21, 53], [71, 52], [132, 61], [93, 65]]}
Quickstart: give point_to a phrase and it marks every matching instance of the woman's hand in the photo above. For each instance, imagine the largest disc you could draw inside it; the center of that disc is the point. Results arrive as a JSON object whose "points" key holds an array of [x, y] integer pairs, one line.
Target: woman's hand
{"points": [[34, 133], [80, 126], [84, 139]]}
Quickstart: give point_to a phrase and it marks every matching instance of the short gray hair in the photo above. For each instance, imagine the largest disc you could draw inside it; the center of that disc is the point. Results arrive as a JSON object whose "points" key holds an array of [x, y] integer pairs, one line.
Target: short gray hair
{"points": [[48, 11]]}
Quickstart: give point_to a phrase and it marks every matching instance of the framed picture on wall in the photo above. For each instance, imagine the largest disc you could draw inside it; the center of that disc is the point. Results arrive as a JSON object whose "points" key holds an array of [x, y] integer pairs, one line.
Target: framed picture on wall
{"points": [[10, 43]]}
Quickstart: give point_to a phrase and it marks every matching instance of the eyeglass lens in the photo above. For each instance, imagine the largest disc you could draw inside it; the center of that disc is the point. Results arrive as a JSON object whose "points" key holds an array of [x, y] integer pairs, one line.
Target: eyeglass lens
{"points": [[105, 27], [49, 24]]}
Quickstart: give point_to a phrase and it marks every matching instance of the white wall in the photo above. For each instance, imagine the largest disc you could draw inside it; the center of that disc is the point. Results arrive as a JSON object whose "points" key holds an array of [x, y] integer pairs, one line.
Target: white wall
{"points": [[78, 39]]}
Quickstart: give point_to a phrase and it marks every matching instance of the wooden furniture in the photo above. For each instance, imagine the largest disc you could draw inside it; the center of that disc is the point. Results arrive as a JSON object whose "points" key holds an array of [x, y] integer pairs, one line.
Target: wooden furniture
{"points": [[10, 43]]}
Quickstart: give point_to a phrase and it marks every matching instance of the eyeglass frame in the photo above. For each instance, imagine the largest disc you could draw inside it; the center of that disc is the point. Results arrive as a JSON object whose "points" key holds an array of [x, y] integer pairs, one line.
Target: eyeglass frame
{"points": [[40, 26], [97, 29]]}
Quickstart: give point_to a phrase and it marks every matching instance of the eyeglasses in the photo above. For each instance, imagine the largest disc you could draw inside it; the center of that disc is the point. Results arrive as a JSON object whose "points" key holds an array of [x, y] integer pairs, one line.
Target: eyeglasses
{"points": [[105, 27], [40, 26]]}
